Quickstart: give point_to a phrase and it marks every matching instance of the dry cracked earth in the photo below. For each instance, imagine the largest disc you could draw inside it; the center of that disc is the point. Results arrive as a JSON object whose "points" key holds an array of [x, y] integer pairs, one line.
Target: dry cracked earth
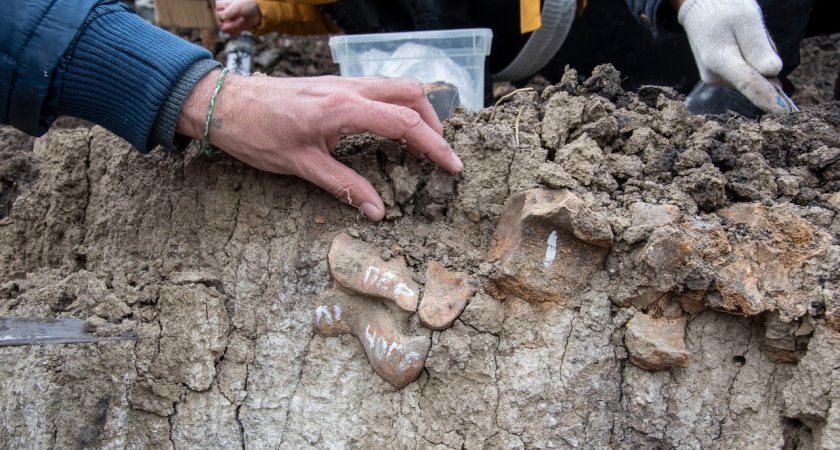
{"points": [[608, 272]]}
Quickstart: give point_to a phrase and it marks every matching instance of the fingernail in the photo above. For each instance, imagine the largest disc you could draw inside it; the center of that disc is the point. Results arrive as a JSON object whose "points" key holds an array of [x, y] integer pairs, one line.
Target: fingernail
{"points": [[371, 211], [459, 165]]}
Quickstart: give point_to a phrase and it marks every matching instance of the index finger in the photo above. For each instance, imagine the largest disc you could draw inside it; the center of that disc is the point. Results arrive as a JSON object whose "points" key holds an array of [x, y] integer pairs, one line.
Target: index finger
{"points": [[343, 183], [752, 84], [398, 122], [403, 92]]}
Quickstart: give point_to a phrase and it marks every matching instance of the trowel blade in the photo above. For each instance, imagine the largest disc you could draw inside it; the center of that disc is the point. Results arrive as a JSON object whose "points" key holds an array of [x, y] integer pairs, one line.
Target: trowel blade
{"points": [[37, 331]]}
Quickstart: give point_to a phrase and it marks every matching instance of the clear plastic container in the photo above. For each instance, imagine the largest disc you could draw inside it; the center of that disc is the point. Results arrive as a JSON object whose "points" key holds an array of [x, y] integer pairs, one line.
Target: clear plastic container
{"points": [[452, 56]]}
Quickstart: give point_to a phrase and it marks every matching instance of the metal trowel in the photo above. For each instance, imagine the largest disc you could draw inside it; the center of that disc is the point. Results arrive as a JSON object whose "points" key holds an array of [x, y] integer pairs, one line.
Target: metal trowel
{"points": [[39, 331]]}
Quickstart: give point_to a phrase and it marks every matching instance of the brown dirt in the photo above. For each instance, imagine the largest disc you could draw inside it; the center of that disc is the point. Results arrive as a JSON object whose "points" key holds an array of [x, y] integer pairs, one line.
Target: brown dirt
{"points": [[816, 75], [220, 268]]}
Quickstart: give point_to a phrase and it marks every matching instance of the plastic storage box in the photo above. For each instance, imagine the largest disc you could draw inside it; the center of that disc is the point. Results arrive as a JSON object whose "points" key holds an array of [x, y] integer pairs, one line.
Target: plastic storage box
{"points": [[452, 56]]}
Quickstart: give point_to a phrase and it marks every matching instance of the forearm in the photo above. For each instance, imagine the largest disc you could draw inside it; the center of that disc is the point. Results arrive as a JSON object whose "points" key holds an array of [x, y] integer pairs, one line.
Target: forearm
{"points": [[194, 110], [230, 104], [164, 129]]}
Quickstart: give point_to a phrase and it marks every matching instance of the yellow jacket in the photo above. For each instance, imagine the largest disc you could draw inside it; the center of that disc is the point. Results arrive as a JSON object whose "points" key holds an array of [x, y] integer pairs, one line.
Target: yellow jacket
{"points": [[302, 17]]}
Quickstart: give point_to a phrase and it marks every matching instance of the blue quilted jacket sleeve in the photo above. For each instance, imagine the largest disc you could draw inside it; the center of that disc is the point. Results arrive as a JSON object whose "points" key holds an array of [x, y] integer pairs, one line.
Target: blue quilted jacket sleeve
{"points": [[34, 34], [92, 59]]}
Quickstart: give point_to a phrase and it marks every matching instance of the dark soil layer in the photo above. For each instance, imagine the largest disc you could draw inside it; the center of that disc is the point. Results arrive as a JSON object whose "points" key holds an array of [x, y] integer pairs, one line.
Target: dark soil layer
{"points": [[816, 76]]}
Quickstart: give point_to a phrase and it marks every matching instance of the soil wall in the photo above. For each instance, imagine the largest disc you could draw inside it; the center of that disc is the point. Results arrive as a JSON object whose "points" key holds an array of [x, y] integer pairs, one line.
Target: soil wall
{"points": [[608, 272]]}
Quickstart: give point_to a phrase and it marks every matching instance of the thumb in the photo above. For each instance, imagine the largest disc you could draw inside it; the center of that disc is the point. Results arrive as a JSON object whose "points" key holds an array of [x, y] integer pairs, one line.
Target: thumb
{"points": [[343, 183], [757, 88], [756, 46], [233, 27], [231, 12]]}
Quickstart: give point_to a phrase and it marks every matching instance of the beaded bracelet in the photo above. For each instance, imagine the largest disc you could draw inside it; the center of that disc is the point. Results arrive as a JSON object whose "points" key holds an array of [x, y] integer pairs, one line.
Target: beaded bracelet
{"points": [[204, 145]]}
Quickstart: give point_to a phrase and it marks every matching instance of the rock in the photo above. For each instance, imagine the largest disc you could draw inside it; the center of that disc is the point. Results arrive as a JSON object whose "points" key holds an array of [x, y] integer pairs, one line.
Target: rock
{"points": [[484, 313], [624, 167], [643, 140], [604, 81], [788, 185], [834, 199], [565, 113], [358, 267], [504, 441], [581, 159], [650, 94], [781, 342], [666, 252], [706, 185], [656, 344], [820, 158], [444, 298], [752, 178], [691, 158], [602, 131], [554, 176], [646, 217], [440, 186], [549, 244], [396, 356], [404, 184], [771, 250], [692, 301], [112, 308]]}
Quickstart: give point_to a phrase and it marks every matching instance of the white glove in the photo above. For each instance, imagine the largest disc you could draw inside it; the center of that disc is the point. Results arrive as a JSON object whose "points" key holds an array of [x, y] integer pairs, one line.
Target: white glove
{"points": [[732, 48]]}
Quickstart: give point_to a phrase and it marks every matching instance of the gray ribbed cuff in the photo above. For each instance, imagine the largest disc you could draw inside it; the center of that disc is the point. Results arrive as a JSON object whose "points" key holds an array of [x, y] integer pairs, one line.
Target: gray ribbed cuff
{"points": [[163, 130]]}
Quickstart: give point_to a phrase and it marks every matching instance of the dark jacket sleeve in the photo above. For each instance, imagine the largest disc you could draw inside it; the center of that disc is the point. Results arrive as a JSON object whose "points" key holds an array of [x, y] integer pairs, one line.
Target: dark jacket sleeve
{"points": [[113, 69], [120, 72], [651, 14], [34, 34]]}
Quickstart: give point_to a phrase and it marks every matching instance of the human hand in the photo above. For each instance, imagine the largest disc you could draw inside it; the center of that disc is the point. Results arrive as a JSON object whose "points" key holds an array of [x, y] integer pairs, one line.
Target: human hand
{"points": [[236, 16], [289, 126], [732, 48]]}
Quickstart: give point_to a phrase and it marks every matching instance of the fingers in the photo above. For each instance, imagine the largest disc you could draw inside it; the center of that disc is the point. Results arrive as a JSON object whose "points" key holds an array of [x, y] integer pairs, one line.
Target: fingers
{"points": [[401, 92], [751, 83], [232, 11], [233, 27], [757, 48], [397, 122], [343, 183]]}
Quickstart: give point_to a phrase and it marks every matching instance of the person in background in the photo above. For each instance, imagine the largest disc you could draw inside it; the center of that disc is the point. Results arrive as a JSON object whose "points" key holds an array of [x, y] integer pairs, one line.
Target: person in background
{"points": [[730, 43], [99, 61]]}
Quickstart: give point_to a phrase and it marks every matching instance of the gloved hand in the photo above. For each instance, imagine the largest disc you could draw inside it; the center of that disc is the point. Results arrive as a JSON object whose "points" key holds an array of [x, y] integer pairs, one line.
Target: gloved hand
{"points": [[732, 48], [236, 16]]}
